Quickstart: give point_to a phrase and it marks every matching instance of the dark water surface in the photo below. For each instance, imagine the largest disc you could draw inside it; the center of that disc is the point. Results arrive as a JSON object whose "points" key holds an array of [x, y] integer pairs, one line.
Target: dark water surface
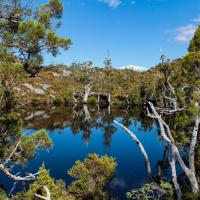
{"points": [[76, 133]]}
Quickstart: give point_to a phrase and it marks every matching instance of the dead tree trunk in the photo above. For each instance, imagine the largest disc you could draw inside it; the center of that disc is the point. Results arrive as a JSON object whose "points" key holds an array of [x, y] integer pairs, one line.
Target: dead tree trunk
{"points": [[48, 194], [170, 99], [5, 170], [167, 136], [87, 113], [88, 89], [109, 98], [174, 176], [142, 149], [75, 92]]}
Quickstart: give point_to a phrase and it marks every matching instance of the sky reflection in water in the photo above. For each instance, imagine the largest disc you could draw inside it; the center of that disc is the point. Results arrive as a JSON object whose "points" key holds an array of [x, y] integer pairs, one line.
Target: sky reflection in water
{"points": [[75, 135]]}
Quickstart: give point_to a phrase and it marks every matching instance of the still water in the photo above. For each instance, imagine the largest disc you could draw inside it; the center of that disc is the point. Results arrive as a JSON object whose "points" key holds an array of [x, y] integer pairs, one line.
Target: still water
{"points": [[76, 132]]}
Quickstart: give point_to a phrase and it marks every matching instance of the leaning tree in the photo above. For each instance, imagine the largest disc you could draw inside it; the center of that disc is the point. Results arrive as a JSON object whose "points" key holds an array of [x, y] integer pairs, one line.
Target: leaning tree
{"points": [[29, 30]]}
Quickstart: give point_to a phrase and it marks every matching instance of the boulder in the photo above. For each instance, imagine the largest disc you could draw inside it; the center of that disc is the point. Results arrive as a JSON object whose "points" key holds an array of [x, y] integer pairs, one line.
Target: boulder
{"points": [[45, 86], [66, 73], [38, 91], [56, 75], [29, 86], [34, 90]]}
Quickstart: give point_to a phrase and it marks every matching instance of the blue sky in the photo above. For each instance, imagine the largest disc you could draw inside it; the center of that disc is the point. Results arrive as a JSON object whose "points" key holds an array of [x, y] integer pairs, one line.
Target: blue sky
{"points": [[133, 30]]}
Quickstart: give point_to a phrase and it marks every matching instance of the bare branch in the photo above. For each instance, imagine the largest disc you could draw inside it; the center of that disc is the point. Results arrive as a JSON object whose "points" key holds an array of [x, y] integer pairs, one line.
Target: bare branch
{"points": [[167, 136], [193, 144], [48, 197], [14, 150], [5, 170], [29, 177], [174, 176]]}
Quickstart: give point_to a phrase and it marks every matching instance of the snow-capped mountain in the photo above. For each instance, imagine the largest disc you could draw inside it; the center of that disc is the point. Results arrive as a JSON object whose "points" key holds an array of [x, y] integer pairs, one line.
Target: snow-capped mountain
{"points": [[134, 67]]}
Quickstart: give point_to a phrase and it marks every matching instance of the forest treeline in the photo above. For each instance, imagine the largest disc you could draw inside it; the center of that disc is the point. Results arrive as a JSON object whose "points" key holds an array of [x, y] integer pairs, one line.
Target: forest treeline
{"points": [[27, 33]]}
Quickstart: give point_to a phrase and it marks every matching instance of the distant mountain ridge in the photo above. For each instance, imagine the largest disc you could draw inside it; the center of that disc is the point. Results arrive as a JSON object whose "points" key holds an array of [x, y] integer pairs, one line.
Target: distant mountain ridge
{"points": [[134, 67]]}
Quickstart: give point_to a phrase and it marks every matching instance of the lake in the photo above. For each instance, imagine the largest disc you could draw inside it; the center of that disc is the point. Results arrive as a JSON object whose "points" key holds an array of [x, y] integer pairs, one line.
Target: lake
{"points": [[76, 132]]}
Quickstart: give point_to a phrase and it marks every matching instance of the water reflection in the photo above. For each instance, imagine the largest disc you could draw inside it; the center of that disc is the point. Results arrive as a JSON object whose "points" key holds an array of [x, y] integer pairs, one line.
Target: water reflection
{"points": [[80, 130], [83, 119]]}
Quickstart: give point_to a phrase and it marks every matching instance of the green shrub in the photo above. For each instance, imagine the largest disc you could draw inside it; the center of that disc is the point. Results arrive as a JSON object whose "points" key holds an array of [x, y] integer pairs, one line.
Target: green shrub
{"points": [[28, 146], [11, 122], [92, 100], [148, 191], [42, 139], [3, 195], [91, 176], [58, 191]]}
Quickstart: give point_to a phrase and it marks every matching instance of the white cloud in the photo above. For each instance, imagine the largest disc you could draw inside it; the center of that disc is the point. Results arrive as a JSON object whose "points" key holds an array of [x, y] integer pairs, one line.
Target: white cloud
{"points": [[196, 19], [185, 33], [112, 3], [116, 3]]}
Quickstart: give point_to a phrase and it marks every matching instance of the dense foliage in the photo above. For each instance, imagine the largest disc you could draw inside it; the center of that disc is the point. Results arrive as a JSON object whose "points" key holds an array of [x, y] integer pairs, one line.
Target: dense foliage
{"points": [[91, 176], [26, 32], [29, 30], [151, 191]]}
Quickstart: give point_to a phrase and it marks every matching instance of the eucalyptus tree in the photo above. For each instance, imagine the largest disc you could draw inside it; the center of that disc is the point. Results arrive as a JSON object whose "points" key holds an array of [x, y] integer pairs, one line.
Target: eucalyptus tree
{"points": [[88, 79], [168, 91], [108, 68], [28, 30], [84, 79], [11, 73], [192, 108]]}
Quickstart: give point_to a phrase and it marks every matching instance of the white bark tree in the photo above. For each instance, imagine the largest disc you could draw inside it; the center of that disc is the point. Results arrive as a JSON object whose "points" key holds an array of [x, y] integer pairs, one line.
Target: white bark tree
{"points": [[142, 149], [88, 88], [28, 177], [167, 136], [48, 194], [5, 169], [88, 117]]}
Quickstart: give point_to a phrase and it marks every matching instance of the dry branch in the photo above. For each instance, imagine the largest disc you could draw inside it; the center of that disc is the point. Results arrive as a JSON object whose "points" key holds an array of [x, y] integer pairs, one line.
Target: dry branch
{"points": [[5, 169], [167, 136], [139, 145], [48, 197]]}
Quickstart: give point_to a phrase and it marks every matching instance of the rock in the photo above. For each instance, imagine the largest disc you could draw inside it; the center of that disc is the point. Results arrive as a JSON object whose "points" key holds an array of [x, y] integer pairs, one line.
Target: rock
{"points": [[45, 86], [39, 91], [29, 86], [45, 116], [66, 73], [17, 89], [38, 113], [62, 72], [56, 124], [56, 74], [66, 123], [29, 117], [30, 125], [52, 96], [34, 90]]}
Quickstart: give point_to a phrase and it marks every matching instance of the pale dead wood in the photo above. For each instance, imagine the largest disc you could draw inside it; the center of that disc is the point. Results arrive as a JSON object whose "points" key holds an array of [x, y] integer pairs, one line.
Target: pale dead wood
{"points": [[193, 144], [5, 169], [174, 176], [48, 194], [134, 137], [167, 136]]}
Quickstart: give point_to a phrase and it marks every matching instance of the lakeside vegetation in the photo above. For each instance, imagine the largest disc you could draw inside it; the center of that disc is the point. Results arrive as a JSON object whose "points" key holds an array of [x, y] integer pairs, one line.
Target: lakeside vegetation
{"points": [[169, 93]]}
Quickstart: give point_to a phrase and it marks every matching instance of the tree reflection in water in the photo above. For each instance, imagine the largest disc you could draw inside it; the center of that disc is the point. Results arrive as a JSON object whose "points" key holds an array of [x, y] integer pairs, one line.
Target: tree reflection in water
{"points": [[82, 119]]}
